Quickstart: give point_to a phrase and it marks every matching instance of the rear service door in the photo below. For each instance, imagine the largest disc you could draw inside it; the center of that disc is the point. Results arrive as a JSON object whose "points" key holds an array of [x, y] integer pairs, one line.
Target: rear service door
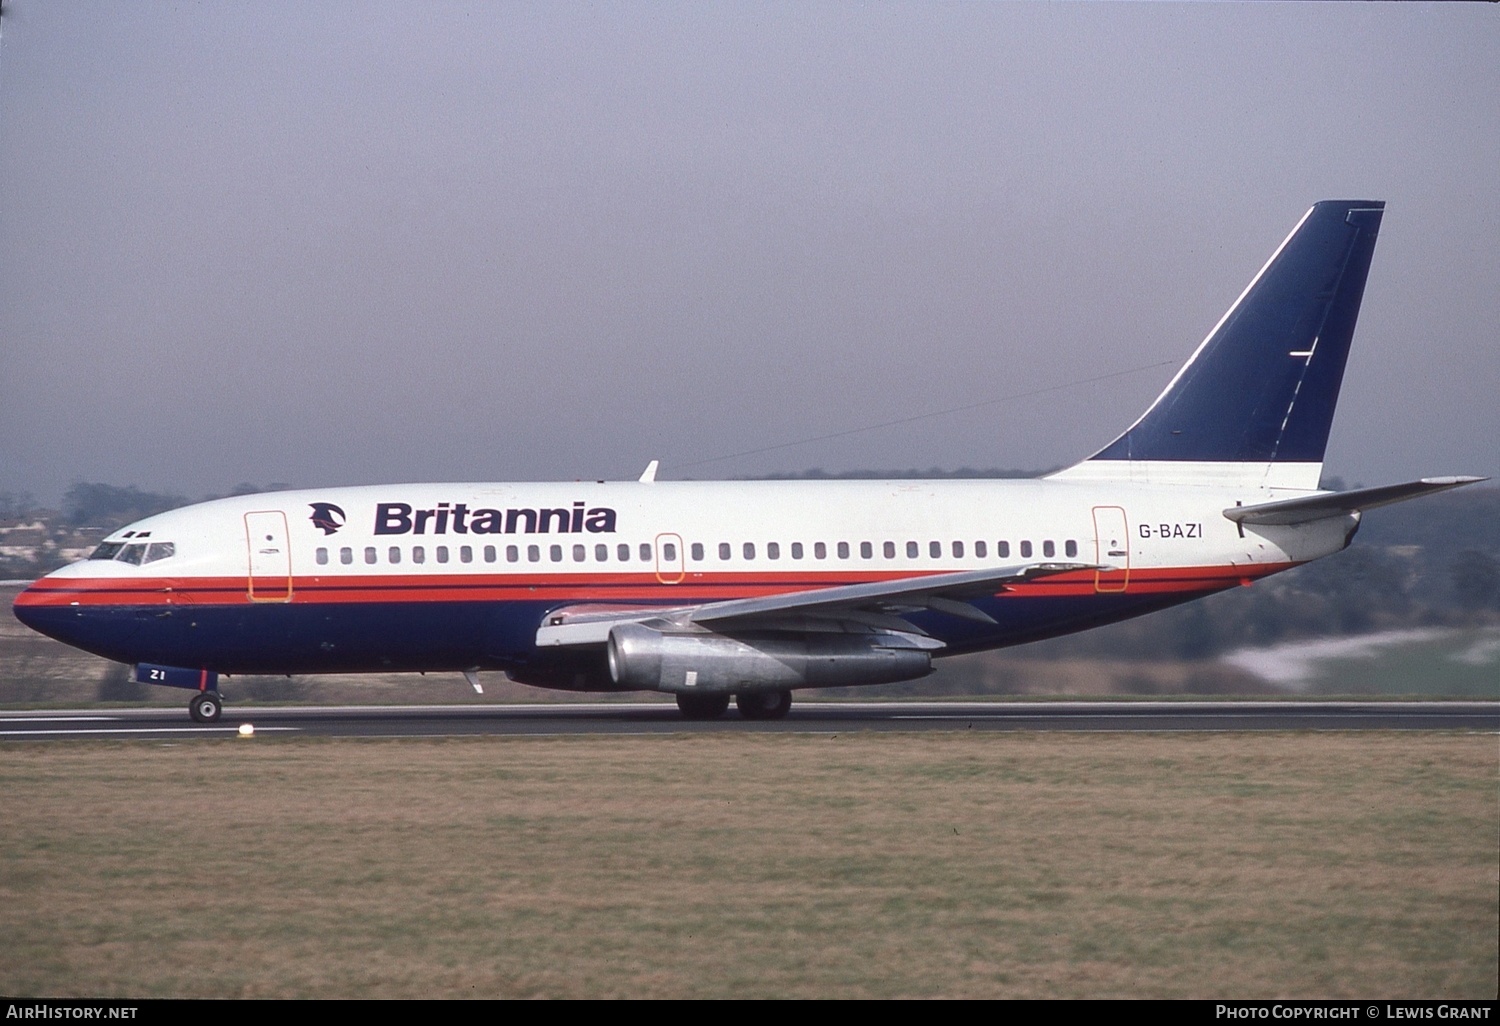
{"points": [[1111, 548], [270, 555]]}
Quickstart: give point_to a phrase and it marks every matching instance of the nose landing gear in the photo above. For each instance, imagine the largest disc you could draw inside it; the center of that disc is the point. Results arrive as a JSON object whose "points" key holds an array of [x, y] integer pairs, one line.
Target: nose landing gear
{"points": [[206, 707]]}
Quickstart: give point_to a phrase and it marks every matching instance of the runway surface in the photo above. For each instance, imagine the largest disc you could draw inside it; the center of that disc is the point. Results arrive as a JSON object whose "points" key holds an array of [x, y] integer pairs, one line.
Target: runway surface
{"points": [[805, 717]]}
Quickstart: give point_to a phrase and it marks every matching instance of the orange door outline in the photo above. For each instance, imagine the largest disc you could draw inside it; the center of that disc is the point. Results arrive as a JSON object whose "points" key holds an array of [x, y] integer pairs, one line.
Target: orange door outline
{"points": [[1111, 548], [669, 570], [269, 555]]}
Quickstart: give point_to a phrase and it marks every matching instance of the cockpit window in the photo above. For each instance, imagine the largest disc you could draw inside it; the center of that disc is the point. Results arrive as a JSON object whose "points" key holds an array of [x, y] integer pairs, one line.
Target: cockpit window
{"points": [[159, 550], [132, 554]]}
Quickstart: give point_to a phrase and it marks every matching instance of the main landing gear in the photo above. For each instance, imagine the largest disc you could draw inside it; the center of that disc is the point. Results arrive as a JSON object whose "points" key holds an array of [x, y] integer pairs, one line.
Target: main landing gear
{"points": [[206, 707], [764, 705], [760, 705]]}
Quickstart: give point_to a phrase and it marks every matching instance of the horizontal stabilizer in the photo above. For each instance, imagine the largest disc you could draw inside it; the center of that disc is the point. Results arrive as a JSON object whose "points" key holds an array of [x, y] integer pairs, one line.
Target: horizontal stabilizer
{"points": [[1333, 504]]}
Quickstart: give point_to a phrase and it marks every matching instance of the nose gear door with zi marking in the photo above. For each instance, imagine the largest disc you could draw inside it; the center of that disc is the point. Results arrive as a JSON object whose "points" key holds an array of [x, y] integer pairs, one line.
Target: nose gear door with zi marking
{"points": [[270, 557], [1111, 549]]}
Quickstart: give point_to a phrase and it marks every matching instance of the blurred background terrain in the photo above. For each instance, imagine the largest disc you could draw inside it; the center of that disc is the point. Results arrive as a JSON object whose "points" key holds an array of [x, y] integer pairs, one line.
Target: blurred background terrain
{"points": [[1411, 608]]}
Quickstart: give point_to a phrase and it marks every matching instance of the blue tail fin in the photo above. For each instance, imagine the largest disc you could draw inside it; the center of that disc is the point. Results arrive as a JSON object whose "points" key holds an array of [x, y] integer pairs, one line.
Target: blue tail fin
{"points": [[1262, 387]]}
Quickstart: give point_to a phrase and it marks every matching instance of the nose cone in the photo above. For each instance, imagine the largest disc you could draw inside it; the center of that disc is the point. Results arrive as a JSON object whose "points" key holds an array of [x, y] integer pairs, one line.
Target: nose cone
{"points": [[54, 606], [26, 607], [37, 606]]}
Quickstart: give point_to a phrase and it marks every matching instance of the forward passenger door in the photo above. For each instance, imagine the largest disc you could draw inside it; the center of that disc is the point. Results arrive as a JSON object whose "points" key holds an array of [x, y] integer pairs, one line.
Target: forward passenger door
{"points": [[269, 553]]}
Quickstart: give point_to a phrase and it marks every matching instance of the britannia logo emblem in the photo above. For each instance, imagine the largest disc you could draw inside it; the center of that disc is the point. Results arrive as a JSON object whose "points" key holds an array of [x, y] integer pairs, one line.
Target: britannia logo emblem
{"points": [[326, 517]]}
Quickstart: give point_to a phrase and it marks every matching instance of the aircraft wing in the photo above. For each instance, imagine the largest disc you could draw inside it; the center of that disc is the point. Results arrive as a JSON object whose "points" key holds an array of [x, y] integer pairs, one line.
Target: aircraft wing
{"points": [[877, 604], [1333, 504]]}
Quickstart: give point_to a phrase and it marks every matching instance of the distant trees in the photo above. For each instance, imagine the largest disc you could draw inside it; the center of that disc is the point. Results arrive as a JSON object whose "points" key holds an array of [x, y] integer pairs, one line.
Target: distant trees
{"points": [[246, 488], [89, 504], [1476, 579], [16, 505], [90, 511]]}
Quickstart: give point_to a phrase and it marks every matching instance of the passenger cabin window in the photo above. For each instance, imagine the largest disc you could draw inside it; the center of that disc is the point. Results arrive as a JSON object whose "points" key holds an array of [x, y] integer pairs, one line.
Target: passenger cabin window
{"points": [[555, 551], [466, 554], [1071, 547], [1002, 549], [418, 554], [623, 551], [866, 550], [796, 550], [980, 549], [724, 550], [773, 550], [935, 550], [442, 553], [697, 552], [843, 550], [322, 556], [1026, 550], [1048, 549], [749, 550], [820, 551], [489, 553], [645, 552], [669, 552], [958, 550], [394, 554], [580, 553], [888, 550], [346, 555], [369, 553], [913, 550]]}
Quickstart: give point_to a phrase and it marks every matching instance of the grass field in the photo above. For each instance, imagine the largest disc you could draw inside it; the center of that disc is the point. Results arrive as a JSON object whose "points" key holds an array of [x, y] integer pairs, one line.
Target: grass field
{"points": [[764, 865]]}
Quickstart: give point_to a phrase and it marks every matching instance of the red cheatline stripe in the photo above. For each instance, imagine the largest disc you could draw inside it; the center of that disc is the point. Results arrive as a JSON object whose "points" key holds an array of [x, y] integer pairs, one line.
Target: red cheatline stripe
{"points": [[610, 588]]}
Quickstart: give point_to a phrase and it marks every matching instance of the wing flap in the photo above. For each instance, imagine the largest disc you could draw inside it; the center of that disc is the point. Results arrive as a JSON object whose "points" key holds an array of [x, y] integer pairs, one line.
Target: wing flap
{"points": [[876, 605], [882, 595]]}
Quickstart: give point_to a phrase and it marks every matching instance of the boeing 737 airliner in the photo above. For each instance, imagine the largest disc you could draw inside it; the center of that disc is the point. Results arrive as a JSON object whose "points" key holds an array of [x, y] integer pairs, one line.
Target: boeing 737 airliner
{"points": [[753, 589]]}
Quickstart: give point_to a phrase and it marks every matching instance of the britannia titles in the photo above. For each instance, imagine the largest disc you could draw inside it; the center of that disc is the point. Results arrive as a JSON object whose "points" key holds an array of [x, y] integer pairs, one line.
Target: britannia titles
{"points": [[458, 518]]}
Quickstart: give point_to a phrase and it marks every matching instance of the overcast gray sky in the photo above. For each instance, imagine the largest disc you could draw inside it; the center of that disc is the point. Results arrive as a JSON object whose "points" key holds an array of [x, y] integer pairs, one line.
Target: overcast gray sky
{"points": [[348, 243]]}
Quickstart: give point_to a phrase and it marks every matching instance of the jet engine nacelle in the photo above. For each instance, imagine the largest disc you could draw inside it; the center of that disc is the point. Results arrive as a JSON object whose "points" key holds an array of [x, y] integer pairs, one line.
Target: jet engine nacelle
{"points": [[646, 659]]}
